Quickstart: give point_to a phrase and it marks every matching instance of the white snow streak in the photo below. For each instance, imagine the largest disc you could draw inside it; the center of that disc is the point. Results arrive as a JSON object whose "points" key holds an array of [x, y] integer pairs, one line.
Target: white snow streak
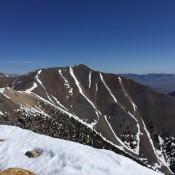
{"points": [[90, 79], [158, 158], [81, 91], [66, 83], [1, 113], [59, 103], [96, 87], [38, 80], [62, 110], [118, 139], [136, 150], [35, 84], [108, 88], [133, 104], [135, 108], [2, 92]]}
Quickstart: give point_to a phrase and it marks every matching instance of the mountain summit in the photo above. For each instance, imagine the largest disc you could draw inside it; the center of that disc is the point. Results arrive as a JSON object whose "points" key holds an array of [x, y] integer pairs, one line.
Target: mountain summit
{"points": [[94, 108]]}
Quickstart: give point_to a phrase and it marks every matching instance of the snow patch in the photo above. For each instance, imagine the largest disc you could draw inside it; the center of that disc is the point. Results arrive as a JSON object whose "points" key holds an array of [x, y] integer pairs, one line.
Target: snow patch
{"points": [[68, 158], [1, 113]]}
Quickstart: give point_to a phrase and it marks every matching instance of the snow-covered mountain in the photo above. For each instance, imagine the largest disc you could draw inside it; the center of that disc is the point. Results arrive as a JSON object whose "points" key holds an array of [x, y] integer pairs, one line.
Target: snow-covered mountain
{"points": [[59, 157], [94, 108]]}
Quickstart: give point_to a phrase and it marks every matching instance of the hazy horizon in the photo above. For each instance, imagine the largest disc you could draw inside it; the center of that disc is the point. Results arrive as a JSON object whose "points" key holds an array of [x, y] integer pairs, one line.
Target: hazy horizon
{"points": [[22, 73], [109, 36]]}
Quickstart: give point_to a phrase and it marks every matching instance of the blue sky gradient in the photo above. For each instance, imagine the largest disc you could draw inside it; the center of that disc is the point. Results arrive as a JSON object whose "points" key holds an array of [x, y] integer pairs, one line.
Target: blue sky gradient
{"points": [[119, 36]]}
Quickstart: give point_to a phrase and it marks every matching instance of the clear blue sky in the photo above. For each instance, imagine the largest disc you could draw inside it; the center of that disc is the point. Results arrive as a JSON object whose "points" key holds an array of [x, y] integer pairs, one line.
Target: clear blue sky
{"points": [[119, 36]]}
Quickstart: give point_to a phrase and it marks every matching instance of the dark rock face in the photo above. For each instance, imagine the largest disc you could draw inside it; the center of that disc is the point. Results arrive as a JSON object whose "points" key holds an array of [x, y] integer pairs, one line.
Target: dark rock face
{"points": [[94, 108]]}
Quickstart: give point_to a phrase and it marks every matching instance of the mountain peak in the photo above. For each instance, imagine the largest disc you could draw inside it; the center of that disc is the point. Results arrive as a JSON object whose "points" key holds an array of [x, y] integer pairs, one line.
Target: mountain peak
{"points": [[83, 66]]}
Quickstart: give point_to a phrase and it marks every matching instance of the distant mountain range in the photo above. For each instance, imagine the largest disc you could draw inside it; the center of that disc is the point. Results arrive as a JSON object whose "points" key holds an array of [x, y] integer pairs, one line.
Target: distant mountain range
{"points": [[164, 83], [94, 108]]}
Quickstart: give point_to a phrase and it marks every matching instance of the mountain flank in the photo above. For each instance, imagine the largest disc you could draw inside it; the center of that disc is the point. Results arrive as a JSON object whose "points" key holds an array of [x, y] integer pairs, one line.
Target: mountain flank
{"points": [[94, 108]]}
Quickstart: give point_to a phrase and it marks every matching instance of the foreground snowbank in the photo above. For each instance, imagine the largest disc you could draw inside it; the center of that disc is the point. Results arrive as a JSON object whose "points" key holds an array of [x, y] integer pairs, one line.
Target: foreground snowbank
{"points": [[61, 157]]}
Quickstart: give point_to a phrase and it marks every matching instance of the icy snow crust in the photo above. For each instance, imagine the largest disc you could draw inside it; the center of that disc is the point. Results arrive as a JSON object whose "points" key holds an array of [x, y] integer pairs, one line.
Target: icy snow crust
{"points": [[60, 157]]}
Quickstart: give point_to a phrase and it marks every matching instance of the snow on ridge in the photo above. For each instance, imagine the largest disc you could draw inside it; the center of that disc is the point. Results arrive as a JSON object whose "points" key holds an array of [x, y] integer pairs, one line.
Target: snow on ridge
{"points": [[39, 72], [67, 158], [81, 91]]}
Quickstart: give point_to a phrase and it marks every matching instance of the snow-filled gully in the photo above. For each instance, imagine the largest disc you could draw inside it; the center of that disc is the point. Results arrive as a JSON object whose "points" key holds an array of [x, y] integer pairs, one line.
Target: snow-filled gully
{"points": [[66, 84], [81, 92], [136, 150]]}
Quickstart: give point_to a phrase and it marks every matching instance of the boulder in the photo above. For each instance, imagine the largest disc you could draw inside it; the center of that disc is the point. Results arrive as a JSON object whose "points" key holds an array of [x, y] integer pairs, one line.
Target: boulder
{"points": [[16, 171], [32, 154]]}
